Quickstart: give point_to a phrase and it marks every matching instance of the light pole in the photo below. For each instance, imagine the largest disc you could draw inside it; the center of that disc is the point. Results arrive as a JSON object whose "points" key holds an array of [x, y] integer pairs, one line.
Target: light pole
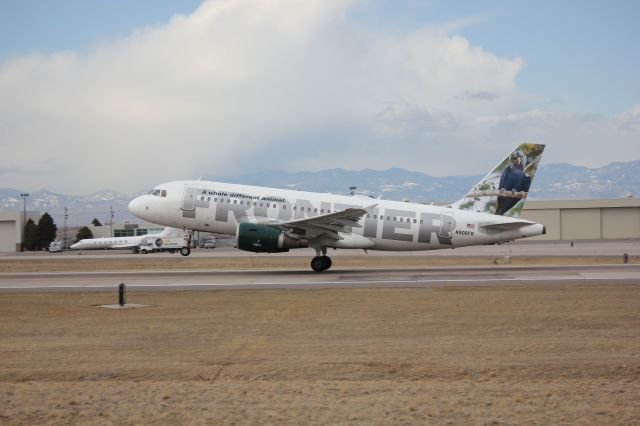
{"points": [[24, 196], [111, 220], [66, 216]]}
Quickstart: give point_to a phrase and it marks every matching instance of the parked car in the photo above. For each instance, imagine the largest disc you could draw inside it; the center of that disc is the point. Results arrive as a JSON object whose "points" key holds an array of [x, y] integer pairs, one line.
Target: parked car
{"points": [[209, 244]]}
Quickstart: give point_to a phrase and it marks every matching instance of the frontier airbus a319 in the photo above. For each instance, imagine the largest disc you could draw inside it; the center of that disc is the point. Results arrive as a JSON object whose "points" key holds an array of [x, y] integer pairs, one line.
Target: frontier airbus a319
{"points": [[277, 220]]}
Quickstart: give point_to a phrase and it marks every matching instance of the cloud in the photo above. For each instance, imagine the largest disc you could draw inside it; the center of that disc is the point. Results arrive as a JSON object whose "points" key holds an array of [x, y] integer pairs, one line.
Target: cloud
{"points": [[247, 85], [629, 121], [480, 95]]}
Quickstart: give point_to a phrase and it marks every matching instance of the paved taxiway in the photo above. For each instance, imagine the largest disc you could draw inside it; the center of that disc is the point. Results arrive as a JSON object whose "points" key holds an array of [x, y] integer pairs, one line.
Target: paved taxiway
{"points": [[517, 248], [499, 275]]}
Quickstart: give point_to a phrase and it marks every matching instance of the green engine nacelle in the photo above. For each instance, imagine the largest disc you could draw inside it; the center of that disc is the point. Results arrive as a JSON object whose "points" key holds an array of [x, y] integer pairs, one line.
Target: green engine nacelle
{"points": [[264, 239]]}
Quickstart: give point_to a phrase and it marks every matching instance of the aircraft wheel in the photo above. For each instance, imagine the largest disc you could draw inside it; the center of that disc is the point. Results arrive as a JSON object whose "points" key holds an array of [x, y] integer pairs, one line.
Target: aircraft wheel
{"points": [[185, 251], [327, 262], [320, 263]]}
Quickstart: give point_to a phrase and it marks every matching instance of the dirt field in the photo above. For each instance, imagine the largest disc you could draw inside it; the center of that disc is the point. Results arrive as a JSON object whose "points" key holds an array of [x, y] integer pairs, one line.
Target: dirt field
{"points": [[527, 355]]}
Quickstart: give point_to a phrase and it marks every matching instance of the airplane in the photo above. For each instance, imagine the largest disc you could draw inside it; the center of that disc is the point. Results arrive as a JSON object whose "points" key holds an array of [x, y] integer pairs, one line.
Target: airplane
{"points": [[123, 242], [270, 220]]}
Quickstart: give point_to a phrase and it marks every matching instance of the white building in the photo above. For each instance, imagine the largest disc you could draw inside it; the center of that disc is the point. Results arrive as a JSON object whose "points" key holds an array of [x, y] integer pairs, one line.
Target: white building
{"points": [[11, 226], [125, 229]]}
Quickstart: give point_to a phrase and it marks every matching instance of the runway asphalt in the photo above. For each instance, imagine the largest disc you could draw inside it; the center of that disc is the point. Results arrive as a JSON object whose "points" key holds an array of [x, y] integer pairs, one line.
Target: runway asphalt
{"points": [[517, 248], [497, 275]]}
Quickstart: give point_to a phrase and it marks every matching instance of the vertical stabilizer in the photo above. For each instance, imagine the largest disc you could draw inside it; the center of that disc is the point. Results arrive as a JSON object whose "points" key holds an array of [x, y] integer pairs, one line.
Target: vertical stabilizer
{"points": [[504, 190], [170, 232]]}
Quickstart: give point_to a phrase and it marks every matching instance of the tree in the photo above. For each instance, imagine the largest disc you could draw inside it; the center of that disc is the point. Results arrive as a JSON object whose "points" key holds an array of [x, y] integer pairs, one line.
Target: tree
{"points": [[84, 233], [96, 222], [46, 231], [30, 235]]}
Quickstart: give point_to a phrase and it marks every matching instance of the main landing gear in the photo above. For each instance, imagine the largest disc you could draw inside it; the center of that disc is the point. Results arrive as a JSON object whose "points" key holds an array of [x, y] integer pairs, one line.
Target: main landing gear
{"points": [[321, 262]]}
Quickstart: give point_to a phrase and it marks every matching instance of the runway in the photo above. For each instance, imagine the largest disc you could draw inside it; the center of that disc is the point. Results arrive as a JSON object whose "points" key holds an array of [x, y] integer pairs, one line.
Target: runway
{"points": [[517, 248], [499, 275]]}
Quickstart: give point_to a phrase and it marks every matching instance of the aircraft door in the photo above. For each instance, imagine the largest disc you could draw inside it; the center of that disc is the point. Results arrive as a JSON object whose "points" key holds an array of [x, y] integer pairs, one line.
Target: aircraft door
{"points": [[189, 198], [447, 224]]}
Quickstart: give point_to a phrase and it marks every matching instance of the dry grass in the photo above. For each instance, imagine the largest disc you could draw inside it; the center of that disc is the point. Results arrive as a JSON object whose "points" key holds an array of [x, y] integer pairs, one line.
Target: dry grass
{"points": [[535, 355], [137, 263]]}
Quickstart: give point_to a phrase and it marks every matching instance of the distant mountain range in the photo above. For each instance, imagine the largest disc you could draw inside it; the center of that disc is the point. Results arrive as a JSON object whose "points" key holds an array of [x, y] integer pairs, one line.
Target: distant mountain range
{"points": [[82, 208], [554, 181]]}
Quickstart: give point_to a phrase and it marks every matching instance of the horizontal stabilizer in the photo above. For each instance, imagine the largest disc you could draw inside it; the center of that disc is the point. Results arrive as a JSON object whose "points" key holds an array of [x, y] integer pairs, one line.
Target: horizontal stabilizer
{"points": [[506, 226]]}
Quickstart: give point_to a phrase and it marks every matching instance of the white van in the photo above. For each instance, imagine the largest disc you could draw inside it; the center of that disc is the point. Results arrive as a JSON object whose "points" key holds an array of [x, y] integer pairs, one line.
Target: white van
{"points": [[55, 246]]}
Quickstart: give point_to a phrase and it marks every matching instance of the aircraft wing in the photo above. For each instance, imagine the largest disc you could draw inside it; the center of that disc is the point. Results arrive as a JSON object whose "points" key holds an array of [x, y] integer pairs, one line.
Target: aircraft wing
{"points": [[326, 225], [124, 246], [505, 226]]}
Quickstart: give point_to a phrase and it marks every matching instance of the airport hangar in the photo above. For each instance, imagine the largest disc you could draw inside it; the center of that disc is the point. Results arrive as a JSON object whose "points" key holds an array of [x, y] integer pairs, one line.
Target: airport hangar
{"points": [[11, 225], [563, 219]]}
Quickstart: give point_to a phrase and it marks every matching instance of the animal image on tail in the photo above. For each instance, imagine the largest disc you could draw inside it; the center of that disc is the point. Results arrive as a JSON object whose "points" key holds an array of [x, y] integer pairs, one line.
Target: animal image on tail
{"points": [[504, 190]]}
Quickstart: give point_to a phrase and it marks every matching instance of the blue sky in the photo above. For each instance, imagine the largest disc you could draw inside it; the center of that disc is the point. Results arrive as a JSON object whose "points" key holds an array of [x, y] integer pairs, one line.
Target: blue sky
{"points": [[242, 86], [50, 25], [583, 53]]}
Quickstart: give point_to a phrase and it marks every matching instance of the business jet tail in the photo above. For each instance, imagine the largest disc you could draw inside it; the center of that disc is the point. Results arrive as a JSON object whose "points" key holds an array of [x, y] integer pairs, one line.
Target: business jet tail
{"points": [[171, 232], [504, 190]]}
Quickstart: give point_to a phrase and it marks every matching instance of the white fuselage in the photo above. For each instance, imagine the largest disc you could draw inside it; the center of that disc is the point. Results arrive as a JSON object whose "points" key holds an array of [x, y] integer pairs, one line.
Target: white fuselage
{"points": [[388, 225], [122, 242], [108, 243]]}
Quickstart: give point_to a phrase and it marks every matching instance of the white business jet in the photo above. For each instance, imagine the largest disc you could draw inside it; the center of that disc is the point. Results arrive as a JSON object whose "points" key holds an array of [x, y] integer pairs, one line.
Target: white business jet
{"points": [[276, 220], [123, 242]]}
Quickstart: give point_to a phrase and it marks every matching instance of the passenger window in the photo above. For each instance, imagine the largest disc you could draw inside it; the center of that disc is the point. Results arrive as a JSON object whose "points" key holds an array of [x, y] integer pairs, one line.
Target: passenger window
{"points": [[321, 211], [388, 218], [274, 205], [163, 193], [284, 207], [368, 216], [414, 221], [375, 216], [421, 222], [394, 218], [315, 210], [235, 201], [202, 198], [208, 198], [156, 192], [295, 207]]}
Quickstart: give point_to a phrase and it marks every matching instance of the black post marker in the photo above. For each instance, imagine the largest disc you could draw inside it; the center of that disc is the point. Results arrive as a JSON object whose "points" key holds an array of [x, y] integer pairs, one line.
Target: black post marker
{"points": [[122, 299]]}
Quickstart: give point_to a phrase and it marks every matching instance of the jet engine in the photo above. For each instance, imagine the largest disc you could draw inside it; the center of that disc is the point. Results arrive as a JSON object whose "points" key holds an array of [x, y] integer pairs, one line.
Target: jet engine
{"points": [[264, 239]]}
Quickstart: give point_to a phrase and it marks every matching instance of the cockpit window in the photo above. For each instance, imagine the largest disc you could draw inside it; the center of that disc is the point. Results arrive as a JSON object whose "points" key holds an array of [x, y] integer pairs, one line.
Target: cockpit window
{"points": [[158, 192]]}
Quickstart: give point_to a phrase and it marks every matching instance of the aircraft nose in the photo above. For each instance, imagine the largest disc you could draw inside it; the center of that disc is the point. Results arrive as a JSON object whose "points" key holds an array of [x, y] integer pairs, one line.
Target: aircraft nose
{"points": [[136, 206]]}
